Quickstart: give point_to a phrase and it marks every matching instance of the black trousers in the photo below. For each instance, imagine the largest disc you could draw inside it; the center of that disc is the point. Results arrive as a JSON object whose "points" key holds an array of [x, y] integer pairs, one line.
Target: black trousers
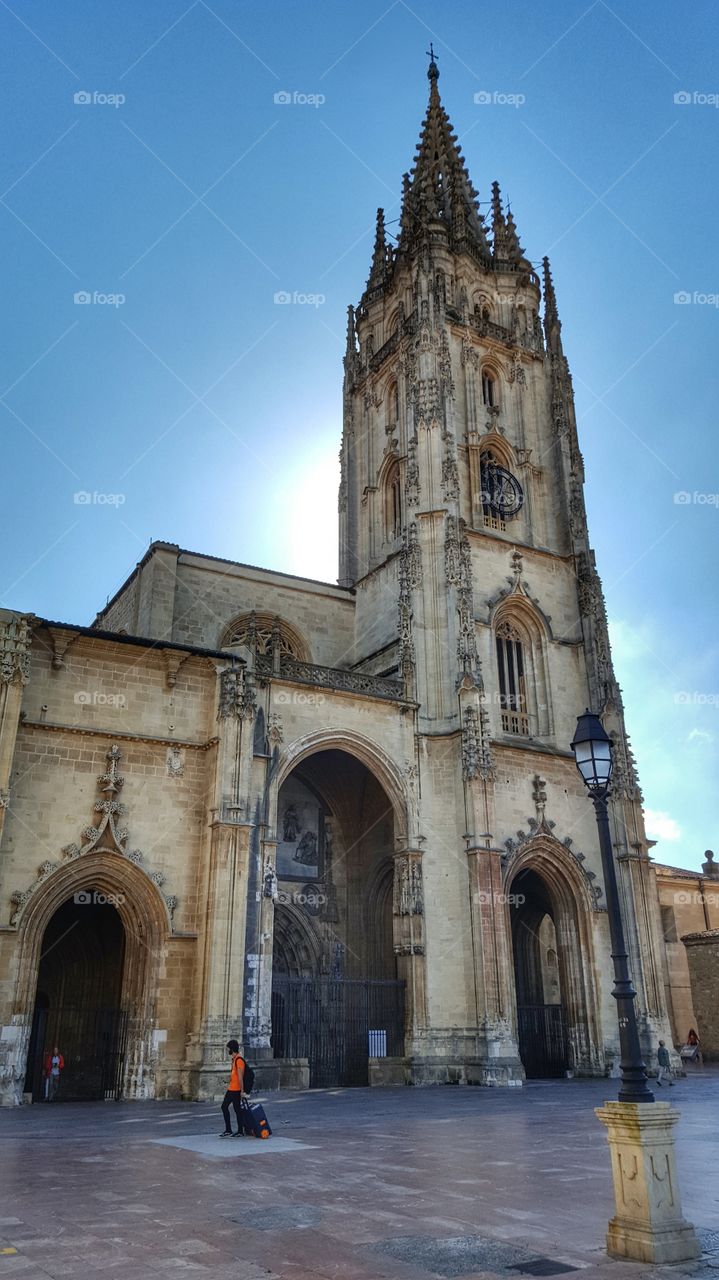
{"points": [[232, 1097]]}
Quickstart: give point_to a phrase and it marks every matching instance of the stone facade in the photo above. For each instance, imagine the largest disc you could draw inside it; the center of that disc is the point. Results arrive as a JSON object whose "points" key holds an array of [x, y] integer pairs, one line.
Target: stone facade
{"points": [[689, 905], [364, 782]]}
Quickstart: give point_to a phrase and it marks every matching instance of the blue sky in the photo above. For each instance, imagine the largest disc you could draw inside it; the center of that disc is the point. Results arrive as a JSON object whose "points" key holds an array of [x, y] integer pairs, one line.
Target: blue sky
{"points": [[202, 412]]}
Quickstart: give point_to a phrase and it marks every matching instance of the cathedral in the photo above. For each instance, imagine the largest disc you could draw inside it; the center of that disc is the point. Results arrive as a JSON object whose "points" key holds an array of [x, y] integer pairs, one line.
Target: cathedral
{"points": [[343, 823]]}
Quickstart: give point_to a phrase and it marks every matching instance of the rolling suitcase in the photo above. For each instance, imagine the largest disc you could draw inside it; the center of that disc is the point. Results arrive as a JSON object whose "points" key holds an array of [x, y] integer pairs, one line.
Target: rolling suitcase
{"points": [[254, 1120]]}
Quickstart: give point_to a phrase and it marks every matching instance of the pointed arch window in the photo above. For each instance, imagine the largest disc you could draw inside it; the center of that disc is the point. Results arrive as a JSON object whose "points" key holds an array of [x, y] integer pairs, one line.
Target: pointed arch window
{"points": [[393, 503], [265, 634], [520, 638], [490, 397], [393, 404], [511, 667]]}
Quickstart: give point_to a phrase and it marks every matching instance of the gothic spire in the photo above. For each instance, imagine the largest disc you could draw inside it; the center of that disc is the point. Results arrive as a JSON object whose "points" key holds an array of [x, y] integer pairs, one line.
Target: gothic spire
{"points": [[499, 226], [440, 189], [505, 240], [351, 333], [552, 323], [379, 256], [515, 251]]}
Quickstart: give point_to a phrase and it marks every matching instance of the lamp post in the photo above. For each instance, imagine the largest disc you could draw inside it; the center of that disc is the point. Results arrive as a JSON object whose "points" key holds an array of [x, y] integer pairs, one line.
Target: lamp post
{"points": [[592, 749]]}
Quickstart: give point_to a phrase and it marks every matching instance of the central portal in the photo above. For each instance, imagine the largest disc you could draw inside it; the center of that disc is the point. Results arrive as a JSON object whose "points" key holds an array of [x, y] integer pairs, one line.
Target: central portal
{"points": [[336, 997]]}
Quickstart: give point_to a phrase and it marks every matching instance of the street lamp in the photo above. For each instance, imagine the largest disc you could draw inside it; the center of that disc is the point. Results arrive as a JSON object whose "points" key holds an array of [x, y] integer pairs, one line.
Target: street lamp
{"points": [[592, 749]]}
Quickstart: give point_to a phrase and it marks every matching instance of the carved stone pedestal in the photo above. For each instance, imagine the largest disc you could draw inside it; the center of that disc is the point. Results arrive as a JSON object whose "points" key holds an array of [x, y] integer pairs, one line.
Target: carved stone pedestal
{"points": [[648, 1225]]}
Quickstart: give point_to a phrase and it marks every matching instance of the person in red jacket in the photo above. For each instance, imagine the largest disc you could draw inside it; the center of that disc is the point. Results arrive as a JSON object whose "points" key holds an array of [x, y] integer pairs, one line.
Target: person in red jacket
{"points": [[54, 1063], [233, 1096]]}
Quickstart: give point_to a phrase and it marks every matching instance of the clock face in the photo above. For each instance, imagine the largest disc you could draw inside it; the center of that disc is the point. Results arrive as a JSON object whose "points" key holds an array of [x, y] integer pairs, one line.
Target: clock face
{"points": [[503, 491]]}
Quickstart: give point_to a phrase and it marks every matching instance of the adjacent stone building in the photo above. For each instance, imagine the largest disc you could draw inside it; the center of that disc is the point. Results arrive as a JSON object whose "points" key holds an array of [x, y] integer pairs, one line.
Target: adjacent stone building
{"points": [[689, 906], [344, 822]]}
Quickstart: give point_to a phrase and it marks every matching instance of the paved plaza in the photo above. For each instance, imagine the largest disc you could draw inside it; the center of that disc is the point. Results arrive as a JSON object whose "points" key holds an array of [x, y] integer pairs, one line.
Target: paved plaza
{"points": [[361, 1184]]}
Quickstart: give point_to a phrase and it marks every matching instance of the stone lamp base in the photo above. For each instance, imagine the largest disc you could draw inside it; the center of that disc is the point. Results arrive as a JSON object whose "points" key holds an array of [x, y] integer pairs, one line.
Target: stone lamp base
{"points": [[648, 1225]]}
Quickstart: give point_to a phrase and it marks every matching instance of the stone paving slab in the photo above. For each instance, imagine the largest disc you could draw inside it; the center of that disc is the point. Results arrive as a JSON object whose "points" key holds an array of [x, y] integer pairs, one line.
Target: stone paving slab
{"points": [[214, 1148]]}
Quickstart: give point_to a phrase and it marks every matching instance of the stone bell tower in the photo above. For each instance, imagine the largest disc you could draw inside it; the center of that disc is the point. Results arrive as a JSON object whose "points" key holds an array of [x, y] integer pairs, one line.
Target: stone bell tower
{"points": [[461, 483], [448, 304]]}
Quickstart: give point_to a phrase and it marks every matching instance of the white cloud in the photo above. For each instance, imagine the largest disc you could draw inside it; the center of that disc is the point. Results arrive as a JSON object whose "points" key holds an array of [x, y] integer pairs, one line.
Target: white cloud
{"points": [[700, 736], [660, 826]]}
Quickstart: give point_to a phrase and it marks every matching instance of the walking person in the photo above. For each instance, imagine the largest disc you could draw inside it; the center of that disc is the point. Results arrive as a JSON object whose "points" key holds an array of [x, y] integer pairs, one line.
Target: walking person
{"points": [[664, 1071], [54, 1063], [233, 1096]]}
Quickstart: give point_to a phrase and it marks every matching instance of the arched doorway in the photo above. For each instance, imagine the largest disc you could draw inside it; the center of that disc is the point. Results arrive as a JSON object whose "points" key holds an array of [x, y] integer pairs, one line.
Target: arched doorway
{"points": [[77, 1004], [128, 942], [337, 998], [551, 912], [541, 1015]]}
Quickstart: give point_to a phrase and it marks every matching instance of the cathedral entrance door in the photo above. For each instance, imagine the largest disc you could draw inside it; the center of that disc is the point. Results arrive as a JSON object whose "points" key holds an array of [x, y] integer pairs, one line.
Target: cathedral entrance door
{"points": [[542, 1040], [337, 1024], [77, 1006], [541, 1017]]}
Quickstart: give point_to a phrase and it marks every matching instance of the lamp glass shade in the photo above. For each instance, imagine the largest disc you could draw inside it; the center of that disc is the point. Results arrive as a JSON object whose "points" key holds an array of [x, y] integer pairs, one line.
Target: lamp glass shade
{"points": [[592, 751]]}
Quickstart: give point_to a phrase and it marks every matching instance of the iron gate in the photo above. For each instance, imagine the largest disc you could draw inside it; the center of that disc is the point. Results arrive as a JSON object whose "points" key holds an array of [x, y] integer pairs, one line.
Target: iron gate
{"points": [[543, 1040], [337, 1023], [92, 1043]]}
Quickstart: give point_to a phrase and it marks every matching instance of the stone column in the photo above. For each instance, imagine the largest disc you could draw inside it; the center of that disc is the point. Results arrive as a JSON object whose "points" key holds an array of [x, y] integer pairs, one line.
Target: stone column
{"points": [[409, 944], [498, 1059], [648, 1225], [227, 868], [224, 953], [262, 1015], [498, 1054]]}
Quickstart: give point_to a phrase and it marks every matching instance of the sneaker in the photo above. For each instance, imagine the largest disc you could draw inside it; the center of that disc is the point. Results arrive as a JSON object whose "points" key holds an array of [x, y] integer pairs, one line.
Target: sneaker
{"points": [[226, 1134], [239, 1134]]}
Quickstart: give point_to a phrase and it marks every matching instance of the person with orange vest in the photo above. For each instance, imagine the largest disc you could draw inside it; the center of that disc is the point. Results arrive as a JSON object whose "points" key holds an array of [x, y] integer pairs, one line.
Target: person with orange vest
{"points": [[54, 1063], [233, 1096]]}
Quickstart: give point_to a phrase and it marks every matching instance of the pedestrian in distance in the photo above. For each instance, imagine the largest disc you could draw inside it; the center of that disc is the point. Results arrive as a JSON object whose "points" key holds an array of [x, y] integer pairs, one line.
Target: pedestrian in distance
{"points": [[665, 1071], [693, 1043], [235, 1089], [54, 1063]]}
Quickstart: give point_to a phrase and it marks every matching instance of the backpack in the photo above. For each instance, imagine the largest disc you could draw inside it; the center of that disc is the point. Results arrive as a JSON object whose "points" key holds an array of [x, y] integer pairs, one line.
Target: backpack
{"points": [[248, 1079]]}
